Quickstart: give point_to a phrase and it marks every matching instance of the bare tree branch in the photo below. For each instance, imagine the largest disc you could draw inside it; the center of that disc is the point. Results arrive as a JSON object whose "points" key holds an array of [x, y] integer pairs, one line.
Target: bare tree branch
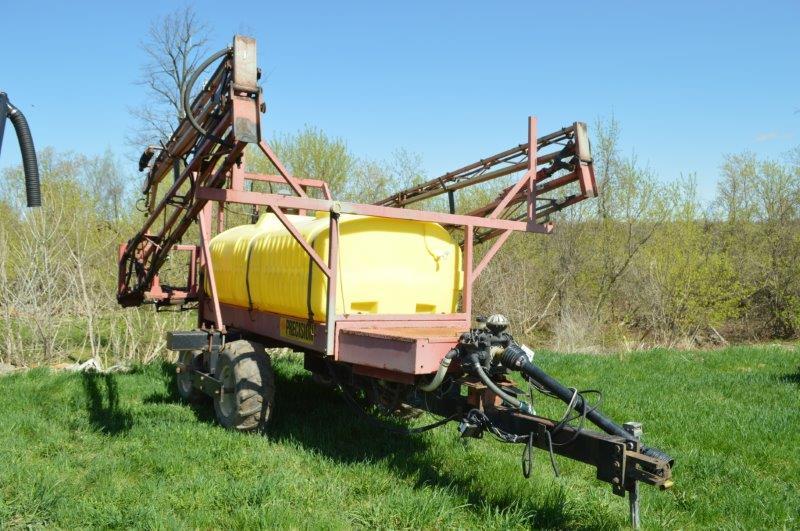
{"points": [[174, 46]]}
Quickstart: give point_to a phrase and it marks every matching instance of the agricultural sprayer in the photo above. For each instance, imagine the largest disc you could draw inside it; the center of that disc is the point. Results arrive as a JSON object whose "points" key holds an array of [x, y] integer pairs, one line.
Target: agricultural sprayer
{"points": [[377, 297]]}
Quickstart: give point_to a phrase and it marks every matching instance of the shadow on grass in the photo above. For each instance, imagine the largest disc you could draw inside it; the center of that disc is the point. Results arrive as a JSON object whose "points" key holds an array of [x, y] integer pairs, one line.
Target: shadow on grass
{"points": [[792, 378], [318, 419], [202, 408], [105, 414]]}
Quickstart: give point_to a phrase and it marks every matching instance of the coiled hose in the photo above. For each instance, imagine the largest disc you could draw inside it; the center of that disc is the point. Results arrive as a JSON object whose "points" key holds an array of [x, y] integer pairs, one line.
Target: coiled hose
{"points": [[186, 92], [30, 164]]}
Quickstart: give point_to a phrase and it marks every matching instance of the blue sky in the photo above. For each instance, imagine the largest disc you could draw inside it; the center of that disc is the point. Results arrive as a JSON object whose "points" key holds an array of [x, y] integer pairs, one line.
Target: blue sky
{"points": [[453, 81]]}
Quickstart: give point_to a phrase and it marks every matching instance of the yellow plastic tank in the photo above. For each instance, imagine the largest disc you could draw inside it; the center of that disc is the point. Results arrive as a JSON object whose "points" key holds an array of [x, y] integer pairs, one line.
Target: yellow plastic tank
{"points": [[386, 266]]}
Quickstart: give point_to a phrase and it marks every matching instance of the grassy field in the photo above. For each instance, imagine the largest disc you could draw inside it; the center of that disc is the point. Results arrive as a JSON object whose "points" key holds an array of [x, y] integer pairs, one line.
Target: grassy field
{"points": [[80, 450]]}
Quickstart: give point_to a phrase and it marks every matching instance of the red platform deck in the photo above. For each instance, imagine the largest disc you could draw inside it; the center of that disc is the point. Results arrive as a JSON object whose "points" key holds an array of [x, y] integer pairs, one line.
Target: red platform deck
{"points": [[415, 350]]}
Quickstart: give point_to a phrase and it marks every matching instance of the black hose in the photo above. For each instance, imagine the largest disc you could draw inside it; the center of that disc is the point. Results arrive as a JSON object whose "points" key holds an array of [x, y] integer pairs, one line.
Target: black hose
{"points": [[30, 165], [515, 358], [441, 372], [186, 92]]}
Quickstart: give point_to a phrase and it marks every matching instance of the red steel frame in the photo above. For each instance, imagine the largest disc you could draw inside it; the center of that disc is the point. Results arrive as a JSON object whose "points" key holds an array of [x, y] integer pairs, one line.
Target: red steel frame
{"points": [[215, 174]]}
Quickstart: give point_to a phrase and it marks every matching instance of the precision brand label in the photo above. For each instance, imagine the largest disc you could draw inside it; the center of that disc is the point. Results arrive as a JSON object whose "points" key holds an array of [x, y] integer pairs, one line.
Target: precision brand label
{"points": [[298, 330]]}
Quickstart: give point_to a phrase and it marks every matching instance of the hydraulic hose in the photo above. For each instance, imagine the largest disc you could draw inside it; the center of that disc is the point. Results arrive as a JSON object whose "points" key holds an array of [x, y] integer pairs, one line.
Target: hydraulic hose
{"points": [[514, 358], [186, 92], [29, 163], [440, 373], [522, 406]]}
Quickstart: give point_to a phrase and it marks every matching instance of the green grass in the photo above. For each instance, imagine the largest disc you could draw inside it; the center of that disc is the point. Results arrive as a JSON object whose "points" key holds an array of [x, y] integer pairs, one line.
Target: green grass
{"points": [[122, 451]]}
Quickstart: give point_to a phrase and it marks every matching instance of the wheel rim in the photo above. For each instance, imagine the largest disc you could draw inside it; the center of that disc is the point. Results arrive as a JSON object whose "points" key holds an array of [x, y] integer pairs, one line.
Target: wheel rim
{"points": [[227, 400], [184, 377]]}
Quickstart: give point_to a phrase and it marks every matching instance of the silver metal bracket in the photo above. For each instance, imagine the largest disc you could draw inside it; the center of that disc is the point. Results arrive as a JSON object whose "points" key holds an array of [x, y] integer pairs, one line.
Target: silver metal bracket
{"points": [[635, 429]]}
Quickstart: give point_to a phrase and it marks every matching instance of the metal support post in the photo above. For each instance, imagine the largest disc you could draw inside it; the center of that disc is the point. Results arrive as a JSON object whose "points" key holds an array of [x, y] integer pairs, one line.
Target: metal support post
{"points": [[212, 282], [466, 293], [333, 278], [635, 429]]}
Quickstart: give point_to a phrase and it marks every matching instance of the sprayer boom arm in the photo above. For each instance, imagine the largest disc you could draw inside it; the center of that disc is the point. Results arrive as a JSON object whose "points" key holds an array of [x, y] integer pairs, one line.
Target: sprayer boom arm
{"points": [[559, 159]]}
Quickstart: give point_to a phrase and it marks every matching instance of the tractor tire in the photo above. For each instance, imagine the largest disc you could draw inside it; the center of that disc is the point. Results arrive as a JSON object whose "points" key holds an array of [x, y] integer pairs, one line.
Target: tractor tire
{"points": [[187, 360], [247, 396]]}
